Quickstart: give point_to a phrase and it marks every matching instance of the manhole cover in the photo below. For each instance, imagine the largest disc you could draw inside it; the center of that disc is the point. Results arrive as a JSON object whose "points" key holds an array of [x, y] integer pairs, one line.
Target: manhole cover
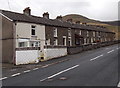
{"points": [[63, 78]]}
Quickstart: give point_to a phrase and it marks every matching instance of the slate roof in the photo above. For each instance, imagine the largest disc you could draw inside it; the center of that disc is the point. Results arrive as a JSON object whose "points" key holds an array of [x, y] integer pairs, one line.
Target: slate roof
{"points": [[51, 22]]}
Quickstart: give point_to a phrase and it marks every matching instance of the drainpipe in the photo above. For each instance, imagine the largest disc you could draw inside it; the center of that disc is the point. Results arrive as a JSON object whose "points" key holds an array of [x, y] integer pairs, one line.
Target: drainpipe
{"points": [[14, 43]]}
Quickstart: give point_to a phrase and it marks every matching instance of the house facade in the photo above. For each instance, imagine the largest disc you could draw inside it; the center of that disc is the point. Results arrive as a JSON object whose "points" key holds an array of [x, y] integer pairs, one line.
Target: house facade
{"points": [[30, 39]]}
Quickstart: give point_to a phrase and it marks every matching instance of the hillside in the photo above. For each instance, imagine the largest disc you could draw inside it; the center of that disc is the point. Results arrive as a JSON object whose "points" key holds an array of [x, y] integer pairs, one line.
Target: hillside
{"points": [[114, 23], [113, 26]]}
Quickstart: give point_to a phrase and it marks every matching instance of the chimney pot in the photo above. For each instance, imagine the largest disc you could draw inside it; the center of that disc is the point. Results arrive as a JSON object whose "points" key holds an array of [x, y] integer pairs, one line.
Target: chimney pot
{"points": [[77, 22], [69, 20], [27, 11], [59, 18], [46, 15]]}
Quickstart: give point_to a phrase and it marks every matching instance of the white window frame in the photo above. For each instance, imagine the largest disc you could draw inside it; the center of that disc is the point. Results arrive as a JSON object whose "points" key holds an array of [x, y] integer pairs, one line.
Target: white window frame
{"points": [[23, 44], [93, 33], [70, 39], [80, 33], [55, 32], [48, 41], [87, 33], [55, 41], [65, 40], [33, 29], [69, 32]]}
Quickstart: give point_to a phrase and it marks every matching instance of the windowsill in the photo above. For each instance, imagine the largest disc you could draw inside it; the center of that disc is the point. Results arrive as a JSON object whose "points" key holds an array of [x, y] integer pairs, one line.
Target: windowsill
{"points": [[55, 36], [33, 35]]}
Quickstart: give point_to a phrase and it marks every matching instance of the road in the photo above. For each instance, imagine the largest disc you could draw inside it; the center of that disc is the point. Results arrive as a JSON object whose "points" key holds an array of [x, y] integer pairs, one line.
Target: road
{"points": [[97, 67]]}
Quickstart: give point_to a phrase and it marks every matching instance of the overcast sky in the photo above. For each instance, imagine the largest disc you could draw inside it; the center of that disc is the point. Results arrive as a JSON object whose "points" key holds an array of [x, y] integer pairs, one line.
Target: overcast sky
{"points": [[103, 10]]}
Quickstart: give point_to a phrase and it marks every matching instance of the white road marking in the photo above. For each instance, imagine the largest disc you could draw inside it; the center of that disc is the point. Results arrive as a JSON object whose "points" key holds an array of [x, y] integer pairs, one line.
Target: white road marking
{"points": [[15, 74], [107, 48], [59, 73], [45, 66], [117, 48], [26, 71], [118, 84], [110, 51], [35, 68], [3, 78], [96, 57]]}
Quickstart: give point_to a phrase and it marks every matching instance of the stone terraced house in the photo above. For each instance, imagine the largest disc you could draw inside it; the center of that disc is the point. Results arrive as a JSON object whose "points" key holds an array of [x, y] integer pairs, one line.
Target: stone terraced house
{"points": [[30, 39]]}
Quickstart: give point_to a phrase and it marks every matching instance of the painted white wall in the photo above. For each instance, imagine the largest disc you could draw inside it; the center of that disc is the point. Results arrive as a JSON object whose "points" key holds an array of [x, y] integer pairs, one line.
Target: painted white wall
{"points": [[27, 56], [54, 52], [24, 30]]}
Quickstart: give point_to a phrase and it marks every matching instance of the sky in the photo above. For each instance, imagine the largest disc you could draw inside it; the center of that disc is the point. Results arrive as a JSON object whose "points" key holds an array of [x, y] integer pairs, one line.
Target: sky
{"points": [[103, 10]]}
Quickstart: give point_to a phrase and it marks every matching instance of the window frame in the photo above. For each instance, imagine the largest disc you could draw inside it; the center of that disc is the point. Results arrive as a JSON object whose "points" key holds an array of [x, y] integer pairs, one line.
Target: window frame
{"points": [[33, 28]]}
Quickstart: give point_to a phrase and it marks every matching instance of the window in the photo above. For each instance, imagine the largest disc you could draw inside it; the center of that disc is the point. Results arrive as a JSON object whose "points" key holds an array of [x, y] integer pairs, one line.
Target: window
{"points": [[94, 34], [84, 40], [80, 32], [21, 44], [48, 42], [87, 40], [87, 33], [77, 41], [64, 40], [69, 32], [92, 40], [34, 44], [55, 32], [33, 30], [55, 42], [69, 41]]}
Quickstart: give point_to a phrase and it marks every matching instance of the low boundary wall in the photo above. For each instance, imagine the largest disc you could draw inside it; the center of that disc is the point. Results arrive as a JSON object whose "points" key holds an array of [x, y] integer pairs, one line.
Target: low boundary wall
{"points": [[27, 55], [54, 52], [78, 49]]}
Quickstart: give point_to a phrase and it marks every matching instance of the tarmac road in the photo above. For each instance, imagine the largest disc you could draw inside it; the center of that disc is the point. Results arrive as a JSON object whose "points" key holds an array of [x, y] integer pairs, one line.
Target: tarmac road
{"points": [[97, 67]]}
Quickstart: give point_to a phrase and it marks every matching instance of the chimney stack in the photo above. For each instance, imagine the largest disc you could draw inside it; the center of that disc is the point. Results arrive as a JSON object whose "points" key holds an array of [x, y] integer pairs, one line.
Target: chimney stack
{"points": [[69, 20], [46, 15], [59, 18], [77, 22], [27, 11]]}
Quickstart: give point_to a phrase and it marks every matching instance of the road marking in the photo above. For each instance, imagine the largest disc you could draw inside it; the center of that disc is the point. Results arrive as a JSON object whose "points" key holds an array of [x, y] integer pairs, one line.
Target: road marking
{"points": [[35, 68], [45, 66], [117, 48], [3, 78], [15, 74], [118, 84], [59, 73], [96, 57], [107, 48], [110, 51], [26, 71]]}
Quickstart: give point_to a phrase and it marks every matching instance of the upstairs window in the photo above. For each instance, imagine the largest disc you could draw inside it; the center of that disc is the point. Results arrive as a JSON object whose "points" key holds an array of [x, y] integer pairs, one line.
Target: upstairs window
{"points": [[55, 32], [94, 34], [69, 32], [33, 30], [64, 40], [87, 33], [80, 32]]}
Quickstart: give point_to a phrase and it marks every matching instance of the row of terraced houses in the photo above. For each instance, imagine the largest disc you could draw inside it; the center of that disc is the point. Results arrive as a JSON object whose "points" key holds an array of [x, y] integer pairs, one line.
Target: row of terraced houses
{"points": [[31, 39]]}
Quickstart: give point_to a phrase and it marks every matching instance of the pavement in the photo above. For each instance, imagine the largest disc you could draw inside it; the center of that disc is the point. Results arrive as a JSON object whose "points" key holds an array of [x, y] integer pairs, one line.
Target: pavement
{"points": [[97, 67], [9, 69]]}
